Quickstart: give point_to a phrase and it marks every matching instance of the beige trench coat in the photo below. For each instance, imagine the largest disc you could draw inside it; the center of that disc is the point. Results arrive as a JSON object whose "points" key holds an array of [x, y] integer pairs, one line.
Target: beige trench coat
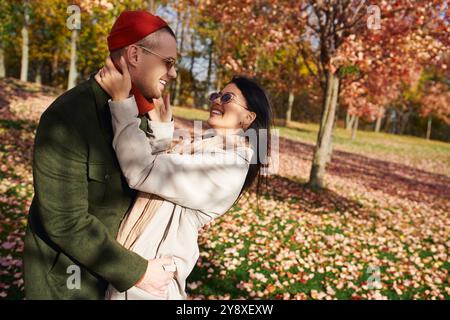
{"points": [[179, 192]]}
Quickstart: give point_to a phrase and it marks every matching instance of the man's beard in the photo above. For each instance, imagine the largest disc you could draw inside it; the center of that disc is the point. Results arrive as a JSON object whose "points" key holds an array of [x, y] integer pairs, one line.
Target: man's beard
{"points": [[150, 92], [148, 98], [149, 95]]}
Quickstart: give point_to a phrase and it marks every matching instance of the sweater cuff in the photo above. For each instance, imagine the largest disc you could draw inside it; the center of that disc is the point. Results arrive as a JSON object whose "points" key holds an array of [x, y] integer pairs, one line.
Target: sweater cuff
{"points": [[162, 130], [124, 109]]}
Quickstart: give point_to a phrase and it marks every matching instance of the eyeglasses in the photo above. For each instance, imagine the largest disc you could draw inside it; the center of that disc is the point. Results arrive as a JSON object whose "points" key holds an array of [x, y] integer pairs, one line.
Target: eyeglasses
{"points": [[169, 61], [225, 98]]}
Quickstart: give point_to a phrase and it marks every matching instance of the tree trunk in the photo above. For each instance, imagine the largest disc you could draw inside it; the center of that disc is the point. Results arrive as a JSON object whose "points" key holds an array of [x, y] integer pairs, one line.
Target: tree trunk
{"points": [[176, 98], [378, 124], [55, 66], [388, 122], [404, 121], [150, 6], [210, 62], [208, 75], [323, 147], [355, 128], [2, 64], [429, 127], [347, 119], [218, 81], [191, 67], [379, 119], [38, 77], [289, 108], [351, 122], [25, 49], [73, 60]]}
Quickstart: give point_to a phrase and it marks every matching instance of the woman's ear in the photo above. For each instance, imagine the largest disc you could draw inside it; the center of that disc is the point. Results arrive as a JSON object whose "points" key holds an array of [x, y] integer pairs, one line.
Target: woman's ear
{"points": [[249, 118]]}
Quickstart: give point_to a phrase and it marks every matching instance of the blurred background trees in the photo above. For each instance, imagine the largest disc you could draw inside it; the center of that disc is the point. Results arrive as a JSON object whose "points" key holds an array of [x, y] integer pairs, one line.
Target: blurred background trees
{"points": [[381, 66]]}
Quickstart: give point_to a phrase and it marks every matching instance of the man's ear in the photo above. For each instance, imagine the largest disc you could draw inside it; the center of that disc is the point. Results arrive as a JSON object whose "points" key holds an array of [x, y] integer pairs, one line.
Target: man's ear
{"points": [[131, 56]]}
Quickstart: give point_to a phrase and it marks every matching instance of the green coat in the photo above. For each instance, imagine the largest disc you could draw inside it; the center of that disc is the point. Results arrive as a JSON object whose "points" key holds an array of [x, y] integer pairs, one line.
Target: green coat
{"points": [[80, 199]]}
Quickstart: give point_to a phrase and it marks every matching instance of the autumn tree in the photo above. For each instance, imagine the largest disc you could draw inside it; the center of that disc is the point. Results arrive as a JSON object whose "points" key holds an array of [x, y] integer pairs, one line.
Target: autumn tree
{"points": [[350, 33], [435, 94]]}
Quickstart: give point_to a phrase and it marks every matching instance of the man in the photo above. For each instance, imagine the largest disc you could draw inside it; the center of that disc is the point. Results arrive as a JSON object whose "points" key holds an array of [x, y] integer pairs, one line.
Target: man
{"points": [[81, 195]]}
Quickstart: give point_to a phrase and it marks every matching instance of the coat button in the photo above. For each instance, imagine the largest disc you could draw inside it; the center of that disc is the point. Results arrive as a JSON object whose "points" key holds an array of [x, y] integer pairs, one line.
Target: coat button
{"points": [[106, 176]]}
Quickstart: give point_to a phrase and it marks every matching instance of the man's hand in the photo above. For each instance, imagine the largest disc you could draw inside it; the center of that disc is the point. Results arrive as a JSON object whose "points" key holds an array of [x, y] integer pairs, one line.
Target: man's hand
{"points": [[117, 84], [156, 279], [162, 112]]}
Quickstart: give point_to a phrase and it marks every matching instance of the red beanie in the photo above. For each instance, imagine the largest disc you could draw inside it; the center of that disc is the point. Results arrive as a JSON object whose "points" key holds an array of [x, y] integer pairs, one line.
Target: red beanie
{"points": [[132, 26]]}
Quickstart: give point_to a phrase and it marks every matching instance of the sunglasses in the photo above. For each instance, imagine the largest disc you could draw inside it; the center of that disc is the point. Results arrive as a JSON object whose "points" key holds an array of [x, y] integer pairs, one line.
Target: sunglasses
{"points": [[225, 98], [170, 62]]}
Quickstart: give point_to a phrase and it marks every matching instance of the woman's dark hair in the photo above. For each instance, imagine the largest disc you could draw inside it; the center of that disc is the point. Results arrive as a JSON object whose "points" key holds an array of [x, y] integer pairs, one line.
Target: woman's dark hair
{"points": [[258, 103]]}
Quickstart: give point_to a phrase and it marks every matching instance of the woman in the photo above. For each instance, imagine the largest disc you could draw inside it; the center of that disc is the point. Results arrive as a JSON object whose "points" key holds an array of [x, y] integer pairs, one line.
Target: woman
{"points": [[180, 193]]}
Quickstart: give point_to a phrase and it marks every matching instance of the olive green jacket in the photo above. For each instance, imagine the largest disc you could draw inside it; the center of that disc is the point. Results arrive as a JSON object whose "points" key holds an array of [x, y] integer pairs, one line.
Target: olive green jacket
{"points": [[80, 199]]}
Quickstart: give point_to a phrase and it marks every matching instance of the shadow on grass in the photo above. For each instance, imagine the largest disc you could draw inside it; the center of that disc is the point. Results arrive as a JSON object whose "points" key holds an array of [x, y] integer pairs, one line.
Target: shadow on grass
{"points": [[392, 178]]}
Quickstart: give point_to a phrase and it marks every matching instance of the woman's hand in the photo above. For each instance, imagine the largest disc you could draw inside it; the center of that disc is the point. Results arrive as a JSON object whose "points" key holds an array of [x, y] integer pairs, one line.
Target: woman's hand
{"points": [[162, 112], [115, 83]]}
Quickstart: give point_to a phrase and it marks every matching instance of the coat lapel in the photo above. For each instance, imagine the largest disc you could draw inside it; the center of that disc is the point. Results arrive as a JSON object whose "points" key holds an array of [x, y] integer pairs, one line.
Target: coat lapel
{"points": [[104, 114]]}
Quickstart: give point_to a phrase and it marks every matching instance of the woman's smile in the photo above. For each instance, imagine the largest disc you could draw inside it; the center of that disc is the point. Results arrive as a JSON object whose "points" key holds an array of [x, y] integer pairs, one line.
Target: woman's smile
{"points": [[216, 111]]}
